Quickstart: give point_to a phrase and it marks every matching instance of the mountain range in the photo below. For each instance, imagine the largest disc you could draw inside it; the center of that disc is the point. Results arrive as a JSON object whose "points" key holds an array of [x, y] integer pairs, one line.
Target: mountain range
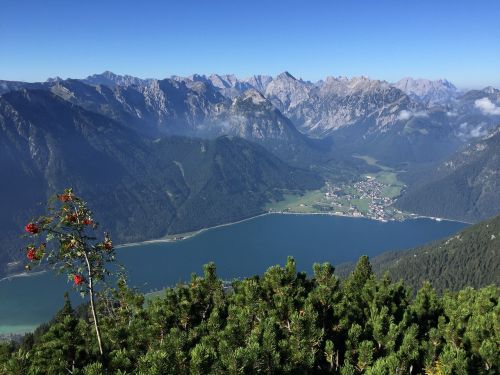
{"points": [[355, 113], [293, 97], [161, 149]]}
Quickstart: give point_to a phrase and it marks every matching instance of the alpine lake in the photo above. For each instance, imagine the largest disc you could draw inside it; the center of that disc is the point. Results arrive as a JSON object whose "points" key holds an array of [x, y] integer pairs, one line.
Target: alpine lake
{"points": [[239, 250]]}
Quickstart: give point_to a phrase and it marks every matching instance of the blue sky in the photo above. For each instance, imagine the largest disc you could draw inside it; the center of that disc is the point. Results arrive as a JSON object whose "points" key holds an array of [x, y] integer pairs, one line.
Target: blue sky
{"points": [[458, 40]]}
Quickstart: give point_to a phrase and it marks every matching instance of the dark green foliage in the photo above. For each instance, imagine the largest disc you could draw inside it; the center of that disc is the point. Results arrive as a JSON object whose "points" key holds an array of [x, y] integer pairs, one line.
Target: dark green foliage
{"points": [[469, 258], [63, 346], [280, 323], [227, 178]]}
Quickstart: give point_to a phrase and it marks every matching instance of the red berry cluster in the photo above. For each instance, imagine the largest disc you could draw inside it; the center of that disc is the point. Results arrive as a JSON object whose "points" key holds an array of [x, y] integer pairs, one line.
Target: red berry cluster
{"points": [[32, 228], [88, 221], [78, 279], [108, 245], [71, 218], [31, 254], [34, 253], [66, 197]]}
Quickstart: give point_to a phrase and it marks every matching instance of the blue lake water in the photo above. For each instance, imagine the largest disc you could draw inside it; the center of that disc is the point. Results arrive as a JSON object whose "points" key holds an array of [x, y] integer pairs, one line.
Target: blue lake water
{"points": [[239, 250]]}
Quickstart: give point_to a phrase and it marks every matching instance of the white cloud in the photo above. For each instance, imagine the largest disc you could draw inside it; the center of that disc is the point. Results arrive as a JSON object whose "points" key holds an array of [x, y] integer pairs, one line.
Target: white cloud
{"points": [[487, 106], [404, 115], [478, 132], [467, 131]]}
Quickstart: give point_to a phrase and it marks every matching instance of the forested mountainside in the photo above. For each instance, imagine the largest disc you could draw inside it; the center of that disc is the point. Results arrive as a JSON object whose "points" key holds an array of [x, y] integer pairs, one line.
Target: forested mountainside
{"points": [[228, 179], [465, 186], [141, 189], [469, 258], [282, 322]]}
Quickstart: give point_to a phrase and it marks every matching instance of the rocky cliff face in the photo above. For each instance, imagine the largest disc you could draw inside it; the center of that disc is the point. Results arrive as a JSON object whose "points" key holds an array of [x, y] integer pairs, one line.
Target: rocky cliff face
{"points": [[193, 107], [253, 117], [153, 108], [111, 79], [437, 92], [339, 102]]}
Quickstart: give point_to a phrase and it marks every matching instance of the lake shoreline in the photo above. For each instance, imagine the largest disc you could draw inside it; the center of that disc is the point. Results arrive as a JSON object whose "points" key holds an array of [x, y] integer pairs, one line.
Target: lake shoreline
{"points": [[22, 274], [187, 235]]}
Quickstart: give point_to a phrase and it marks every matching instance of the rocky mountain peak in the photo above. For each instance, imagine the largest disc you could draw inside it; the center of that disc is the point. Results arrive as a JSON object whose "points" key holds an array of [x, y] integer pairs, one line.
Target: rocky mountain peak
{"points": [[346, 86], [286, 75], [54, 79], [111, 79], [254, 96], [223, 81], [259, 82], [430, 92], [421, 85], [365, 84], [491, 90]]}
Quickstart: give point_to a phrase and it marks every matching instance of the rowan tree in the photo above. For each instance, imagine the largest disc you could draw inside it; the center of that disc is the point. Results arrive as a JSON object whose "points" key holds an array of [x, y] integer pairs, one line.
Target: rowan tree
{"points": [[66, 239]]}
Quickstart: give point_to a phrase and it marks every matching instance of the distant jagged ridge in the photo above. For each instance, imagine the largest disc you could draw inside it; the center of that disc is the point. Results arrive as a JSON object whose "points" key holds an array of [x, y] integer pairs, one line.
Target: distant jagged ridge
{"points": [[414, 119], [431, 92], [318, 108], [183, 107]]}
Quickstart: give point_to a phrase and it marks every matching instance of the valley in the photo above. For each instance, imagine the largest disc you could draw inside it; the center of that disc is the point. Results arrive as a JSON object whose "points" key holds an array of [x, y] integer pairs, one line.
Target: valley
{"points": [[371, 195], [185, 153], [181, 158], [249, 187]]}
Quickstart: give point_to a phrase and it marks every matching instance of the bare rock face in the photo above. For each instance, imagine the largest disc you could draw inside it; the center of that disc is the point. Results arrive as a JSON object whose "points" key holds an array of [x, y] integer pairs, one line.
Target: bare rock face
{"points": [[437, 92], [153, 107], [339, 102], [286, 92], [111, 79], [253, 117], [320, 108]]}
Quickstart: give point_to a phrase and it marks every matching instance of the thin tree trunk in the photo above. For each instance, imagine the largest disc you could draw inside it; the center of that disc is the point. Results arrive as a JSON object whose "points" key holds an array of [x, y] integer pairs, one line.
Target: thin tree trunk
{"points": [[92, 306]]}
